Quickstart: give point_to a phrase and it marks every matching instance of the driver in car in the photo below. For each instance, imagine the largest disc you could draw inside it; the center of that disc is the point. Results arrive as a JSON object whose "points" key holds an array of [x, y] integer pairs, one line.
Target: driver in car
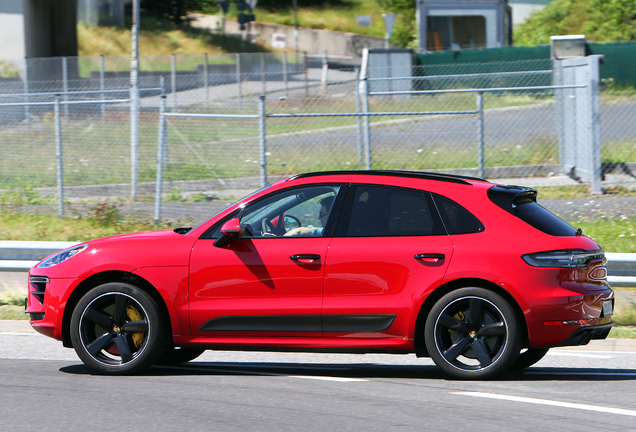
{"points": [[323, 215]]}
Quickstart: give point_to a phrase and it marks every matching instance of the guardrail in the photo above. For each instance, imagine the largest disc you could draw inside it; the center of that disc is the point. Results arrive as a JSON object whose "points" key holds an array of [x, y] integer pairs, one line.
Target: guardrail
{"points": [[20, 256]]}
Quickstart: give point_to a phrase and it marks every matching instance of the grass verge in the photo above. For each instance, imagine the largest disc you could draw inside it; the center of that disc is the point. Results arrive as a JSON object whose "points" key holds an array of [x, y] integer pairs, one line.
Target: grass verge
{"points": [[12, 306], [8, 312]]}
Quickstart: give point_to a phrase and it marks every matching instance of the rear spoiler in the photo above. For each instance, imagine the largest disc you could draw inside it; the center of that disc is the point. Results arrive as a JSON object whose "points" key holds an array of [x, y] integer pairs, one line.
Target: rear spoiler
{"points": [[508, 197]]}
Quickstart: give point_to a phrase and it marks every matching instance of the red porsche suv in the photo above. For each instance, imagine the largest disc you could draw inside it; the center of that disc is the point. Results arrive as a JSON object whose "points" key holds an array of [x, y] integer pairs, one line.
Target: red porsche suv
{"points": [[475, 275]]}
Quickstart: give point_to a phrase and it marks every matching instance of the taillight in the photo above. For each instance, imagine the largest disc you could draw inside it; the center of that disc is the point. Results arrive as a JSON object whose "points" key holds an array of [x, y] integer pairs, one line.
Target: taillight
{"points": [[564, 258]]}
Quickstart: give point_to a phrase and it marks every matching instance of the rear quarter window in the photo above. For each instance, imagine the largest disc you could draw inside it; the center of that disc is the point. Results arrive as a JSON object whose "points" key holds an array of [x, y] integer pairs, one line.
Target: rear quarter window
{"points": [[522, 203], [542, 219], [456, 218]]}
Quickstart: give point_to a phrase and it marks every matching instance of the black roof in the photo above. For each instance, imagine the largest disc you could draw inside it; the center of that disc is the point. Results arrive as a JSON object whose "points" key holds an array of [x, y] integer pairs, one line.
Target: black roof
{"points": [[452, 178]]}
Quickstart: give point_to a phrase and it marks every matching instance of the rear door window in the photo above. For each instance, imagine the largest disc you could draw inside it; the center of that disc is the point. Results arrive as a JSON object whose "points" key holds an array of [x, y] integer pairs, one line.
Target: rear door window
{"points": [[378, 211]]}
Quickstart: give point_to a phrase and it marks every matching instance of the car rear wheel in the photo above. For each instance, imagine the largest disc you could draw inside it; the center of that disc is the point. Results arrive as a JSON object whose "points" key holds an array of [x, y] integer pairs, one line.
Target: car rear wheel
{"points": [[177, 356], [116, 329], [529, 357], [472, 333]]}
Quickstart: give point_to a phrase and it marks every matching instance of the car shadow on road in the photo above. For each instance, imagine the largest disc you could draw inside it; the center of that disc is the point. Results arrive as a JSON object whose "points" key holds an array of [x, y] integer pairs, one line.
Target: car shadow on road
{"points": [[364, 371]]}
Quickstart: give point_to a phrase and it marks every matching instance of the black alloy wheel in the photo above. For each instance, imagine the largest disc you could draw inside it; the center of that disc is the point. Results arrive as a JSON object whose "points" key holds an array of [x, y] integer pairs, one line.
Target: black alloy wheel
{"points": [[116, 329], [472, 333]]}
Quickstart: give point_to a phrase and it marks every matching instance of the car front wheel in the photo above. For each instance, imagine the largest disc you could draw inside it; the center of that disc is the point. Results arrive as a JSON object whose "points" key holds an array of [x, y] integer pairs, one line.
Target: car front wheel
{"points": [[472, 333], [116, 329]]}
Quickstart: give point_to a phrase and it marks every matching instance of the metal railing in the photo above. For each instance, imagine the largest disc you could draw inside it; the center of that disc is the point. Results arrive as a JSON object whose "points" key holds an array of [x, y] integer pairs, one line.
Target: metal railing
{"points": [[20, 256]]}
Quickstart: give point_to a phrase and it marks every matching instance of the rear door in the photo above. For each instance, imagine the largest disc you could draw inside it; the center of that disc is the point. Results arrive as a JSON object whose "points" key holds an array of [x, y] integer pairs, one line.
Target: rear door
{"points": [[389, 251]]}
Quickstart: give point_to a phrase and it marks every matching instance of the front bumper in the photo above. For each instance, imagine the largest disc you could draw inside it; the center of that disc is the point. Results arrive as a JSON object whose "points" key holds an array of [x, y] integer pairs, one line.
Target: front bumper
{"points": [[45, 303]]}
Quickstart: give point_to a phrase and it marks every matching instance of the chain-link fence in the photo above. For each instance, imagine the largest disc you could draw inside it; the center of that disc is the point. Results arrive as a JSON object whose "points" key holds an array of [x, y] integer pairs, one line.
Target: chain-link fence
{"points": [[256, 118]]}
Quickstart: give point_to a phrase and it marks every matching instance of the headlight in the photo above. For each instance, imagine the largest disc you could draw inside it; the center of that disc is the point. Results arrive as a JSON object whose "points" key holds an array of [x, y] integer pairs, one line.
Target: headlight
{"points": [[62, 256]]}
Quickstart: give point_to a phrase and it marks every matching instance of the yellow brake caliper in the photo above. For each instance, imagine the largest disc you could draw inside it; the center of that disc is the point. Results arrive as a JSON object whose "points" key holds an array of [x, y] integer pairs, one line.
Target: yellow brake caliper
{"points": [[458, 316], [134, 315]]}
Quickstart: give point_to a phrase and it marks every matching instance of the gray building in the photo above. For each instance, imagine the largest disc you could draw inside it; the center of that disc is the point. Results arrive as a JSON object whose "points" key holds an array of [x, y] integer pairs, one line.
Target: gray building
{"points": [[463, 24]]}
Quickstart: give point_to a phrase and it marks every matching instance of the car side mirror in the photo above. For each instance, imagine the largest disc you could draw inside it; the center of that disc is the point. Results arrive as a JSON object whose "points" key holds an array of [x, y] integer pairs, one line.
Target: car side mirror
{"points": [[230, 229]]}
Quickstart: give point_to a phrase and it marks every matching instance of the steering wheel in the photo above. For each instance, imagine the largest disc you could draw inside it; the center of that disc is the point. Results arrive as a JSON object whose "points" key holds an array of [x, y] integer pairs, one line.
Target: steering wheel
{"points": [[268, 227]]}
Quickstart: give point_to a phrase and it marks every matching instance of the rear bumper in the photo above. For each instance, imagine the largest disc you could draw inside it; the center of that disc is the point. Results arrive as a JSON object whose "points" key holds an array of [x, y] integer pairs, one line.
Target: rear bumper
{"points": [[584, 335]]}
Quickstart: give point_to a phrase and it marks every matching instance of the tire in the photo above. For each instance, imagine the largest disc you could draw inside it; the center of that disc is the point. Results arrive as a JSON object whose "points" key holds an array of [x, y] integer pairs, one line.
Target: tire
{"points": [[116, 329], [472, 333], [528, 358], [177, 356]]}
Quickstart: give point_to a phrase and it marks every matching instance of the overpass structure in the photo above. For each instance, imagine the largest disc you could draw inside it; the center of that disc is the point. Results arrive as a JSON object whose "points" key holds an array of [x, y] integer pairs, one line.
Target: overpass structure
{"points": [[37, 28]]}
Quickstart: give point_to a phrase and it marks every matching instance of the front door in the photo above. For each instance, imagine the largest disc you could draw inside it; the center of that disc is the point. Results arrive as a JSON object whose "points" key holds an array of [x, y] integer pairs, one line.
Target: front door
{"points": [[269, 282]]}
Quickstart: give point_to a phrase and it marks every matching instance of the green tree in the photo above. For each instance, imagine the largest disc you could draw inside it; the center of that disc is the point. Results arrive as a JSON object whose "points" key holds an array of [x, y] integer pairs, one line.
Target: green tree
{"points": [[176, 10], [404, 30], [598, 20]]}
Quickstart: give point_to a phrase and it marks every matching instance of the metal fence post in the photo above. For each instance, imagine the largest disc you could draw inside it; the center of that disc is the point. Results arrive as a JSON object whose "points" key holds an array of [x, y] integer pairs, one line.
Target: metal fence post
{"points": [[359, 119], [134, 103], [238, 76], [480, 132], [58, 159], [206, 77], [285, 78], [263, 79], [305, 71], [65, 83], [367, 126], [173, 78], [102, 83], [323, 76], [27, 114], [160, 150], [262, 141]]}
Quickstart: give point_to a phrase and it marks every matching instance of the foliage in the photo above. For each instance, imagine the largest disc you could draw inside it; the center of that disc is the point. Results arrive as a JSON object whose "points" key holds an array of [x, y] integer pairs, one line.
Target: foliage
{"points": [[8, 312], [11, 298], [22, 194], [174, 195], [157, 36], [276, 5], [404, 31], [625, 316], [614, 235], [623, 332], [104, 214], [81, 227], [598, 20], [175, 10]]}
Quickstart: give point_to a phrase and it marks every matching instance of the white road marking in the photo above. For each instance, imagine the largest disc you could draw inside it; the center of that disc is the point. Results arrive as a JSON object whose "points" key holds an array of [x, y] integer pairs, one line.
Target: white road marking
{"points": [[323, 378], [597, 374], [578, 354], [585, 407]]}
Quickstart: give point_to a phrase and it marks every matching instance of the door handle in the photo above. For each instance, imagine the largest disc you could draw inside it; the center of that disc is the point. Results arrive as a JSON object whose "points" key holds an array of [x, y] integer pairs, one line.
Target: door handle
{"points": [[305, 258], [430, 257]]}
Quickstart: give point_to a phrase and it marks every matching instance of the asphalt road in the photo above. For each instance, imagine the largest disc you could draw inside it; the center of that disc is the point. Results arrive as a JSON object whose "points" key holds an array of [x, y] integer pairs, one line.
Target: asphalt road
{"points": [[45, 387]]}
